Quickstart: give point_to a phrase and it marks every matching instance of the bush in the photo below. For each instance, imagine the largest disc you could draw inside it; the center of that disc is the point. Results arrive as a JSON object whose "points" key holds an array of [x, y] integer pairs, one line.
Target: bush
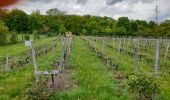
{"points": [[144, 85], [35, 35], [13, 37], [3, 33], [26, 37]]}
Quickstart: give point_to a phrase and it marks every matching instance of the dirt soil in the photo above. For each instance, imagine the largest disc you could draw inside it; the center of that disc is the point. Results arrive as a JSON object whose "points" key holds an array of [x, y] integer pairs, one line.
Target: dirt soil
{"points": [[65, 82]]}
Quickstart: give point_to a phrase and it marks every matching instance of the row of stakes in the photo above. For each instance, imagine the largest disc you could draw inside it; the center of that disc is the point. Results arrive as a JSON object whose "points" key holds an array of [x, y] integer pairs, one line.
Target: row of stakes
{"points": [[134, 54], [65, 52]]}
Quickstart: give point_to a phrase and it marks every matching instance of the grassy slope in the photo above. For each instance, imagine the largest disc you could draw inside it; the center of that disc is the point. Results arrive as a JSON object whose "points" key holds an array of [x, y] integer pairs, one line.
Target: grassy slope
{"points": [[92, 77], [13, 84], [128, 64], [20, 47]]}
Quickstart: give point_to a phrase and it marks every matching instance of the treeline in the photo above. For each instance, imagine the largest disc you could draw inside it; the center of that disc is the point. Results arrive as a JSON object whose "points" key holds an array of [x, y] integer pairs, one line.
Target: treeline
{"points": [[54, 22]]}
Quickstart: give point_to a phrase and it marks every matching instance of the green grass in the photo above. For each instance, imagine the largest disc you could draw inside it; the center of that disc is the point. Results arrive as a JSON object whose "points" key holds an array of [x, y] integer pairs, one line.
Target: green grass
{"points": [[93, 79], [20, 47], [13, 84], [127, 66]]}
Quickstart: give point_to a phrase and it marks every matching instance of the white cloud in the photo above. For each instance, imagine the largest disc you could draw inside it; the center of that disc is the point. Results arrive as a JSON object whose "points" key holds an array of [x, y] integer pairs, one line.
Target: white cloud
{"points": [[134, 9]]}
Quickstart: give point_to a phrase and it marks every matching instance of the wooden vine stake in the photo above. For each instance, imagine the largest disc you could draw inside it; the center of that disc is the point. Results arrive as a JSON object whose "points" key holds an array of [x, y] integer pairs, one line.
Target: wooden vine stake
{"points": [[29, 44], [34, 62], [166, 52], [7, 62], [94, 44], [113, 42], [138, 44], [62, 53], [36, 72], [136, 58], [156, 64], [103, 44], [157, 58], [118, 52]]}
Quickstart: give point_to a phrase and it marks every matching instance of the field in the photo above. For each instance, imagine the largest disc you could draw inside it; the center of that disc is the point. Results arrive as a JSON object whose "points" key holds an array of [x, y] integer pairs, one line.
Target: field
{"points": [[101, 68]]}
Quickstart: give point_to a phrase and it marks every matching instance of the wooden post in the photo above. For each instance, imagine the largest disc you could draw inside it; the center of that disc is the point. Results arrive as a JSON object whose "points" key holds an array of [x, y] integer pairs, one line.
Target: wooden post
{"points": [[166, 52], [136, 58], [113, 42], [34, 62], [7, 62], [95, 46], [138, 44], [62, 53], [103, 44], [118, 52], [119, 48], [157, 58], [53, 82]]}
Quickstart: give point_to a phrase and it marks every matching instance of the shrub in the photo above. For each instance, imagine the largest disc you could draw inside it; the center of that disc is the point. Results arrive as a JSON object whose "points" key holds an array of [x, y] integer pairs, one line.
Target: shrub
{"points": [[144, 86], [3, 33], [35, 35], [13, 37], [26, 37]]}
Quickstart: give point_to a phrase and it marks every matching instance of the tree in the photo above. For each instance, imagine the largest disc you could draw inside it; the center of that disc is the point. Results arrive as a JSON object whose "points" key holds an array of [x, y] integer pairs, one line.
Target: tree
{"points": [[151, 24], [17, 20], [107, 30], [35, 35], [45, 29], [13, 37], [3, 13], [134, 27], [120, 31], [62, 29], [95, 31], [3, 33], [54, 11], [124, 22], [84, 31], [33, 23]]}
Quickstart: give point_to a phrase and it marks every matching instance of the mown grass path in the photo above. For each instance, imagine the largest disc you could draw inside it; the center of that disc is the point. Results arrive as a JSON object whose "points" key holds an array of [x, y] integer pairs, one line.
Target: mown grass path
{"points": [[94, 81]]}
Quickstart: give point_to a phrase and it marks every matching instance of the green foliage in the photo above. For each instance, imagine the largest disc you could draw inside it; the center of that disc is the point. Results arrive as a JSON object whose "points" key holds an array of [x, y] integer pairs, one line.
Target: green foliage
{"points": [[151, 24], [3, 33], [124, 22], [84, 31], [55, 11], [35, 35], [120, 31], [33, 23], [26, 37], [62, 29], [144, 85], [17, 20], [57, 21], [3, 13], [95, 31], [13, 37]]}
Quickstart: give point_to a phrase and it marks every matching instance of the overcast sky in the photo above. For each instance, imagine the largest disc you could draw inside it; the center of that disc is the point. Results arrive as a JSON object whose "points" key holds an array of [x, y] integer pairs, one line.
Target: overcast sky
{"points": [[134, 9]]}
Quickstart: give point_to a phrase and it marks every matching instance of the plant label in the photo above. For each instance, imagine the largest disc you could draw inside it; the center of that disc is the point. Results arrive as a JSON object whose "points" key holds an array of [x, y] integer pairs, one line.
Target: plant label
{"points": [[28, 43]]}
